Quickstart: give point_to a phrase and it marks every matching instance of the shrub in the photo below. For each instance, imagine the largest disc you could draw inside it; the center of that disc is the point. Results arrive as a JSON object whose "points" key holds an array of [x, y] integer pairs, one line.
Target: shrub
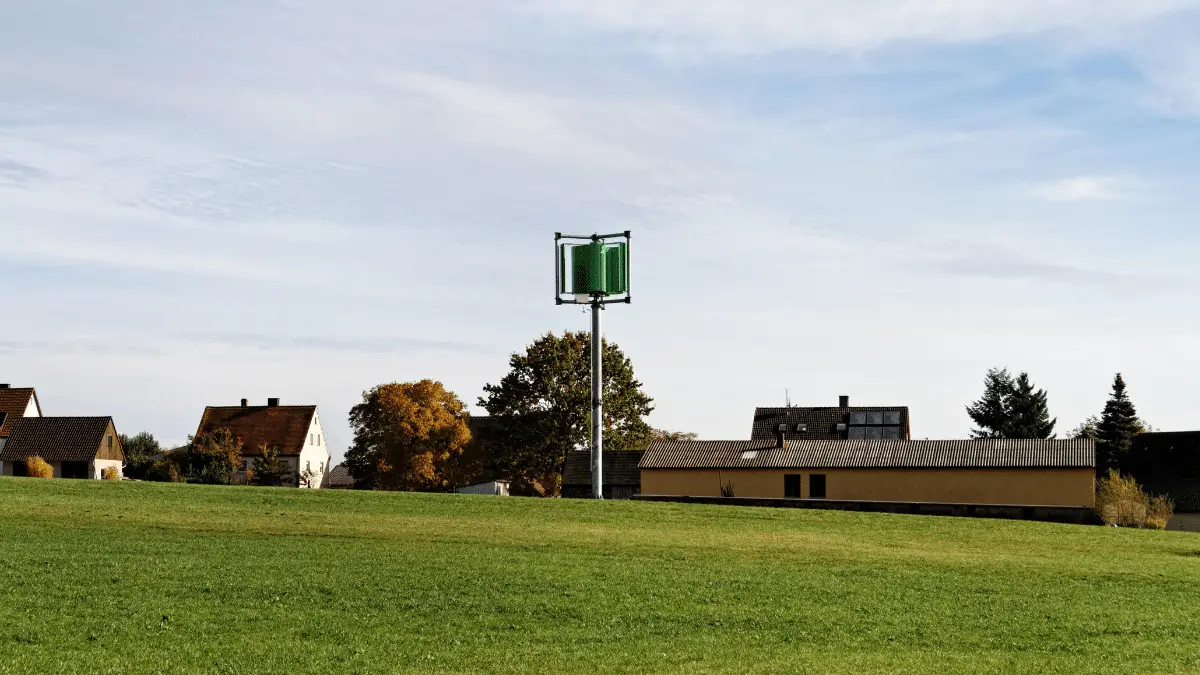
{"points": [[110, 473], [213, 457], [36, 467], [1120, 501], [727, 491], [270, 470], [165, 471], [1159, 510]]}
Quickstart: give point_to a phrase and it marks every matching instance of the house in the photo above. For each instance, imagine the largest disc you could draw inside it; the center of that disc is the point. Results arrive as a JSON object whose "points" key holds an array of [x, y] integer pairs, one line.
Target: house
{"points": [[75, 447], [993, 471], [15, 404], [1168, 463], [339, 478], [295, 430], [829, 423], [621, 480]]}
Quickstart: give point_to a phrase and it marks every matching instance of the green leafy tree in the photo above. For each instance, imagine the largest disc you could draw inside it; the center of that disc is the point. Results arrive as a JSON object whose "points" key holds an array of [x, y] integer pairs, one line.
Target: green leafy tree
{"points": [[212, 457], [1118, 425], [1087, 429], [664, 435], [542, 408], [1011, 407], [269, 470], [406, 436], [139, 454]]}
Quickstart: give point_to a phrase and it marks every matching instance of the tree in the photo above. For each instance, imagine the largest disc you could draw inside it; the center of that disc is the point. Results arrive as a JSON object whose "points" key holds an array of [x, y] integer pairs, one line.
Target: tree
{"points": [[1087, 429], [270, 470], [664, 435], [990, 412], [139, 454], [1118, 425], [542, 407], [1011, 408], [1028, 411], [211, 457], [405, 436], [1090, 428], [171, 468]]}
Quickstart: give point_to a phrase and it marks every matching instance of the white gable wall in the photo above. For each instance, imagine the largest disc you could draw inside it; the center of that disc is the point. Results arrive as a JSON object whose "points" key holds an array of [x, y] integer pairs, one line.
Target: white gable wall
{"points": [[315, 455], [32, 409]]}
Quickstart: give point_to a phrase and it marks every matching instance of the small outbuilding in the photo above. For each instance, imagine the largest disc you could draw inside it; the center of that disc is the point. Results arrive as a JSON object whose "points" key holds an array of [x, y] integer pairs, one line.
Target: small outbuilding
{"points": [[622, 478], [75, 447], [994, 471]]}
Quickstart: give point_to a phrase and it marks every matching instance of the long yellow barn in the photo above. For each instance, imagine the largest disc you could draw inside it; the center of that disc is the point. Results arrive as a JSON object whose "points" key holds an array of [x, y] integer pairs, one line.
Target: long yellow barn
{"points": [[994, 471]]}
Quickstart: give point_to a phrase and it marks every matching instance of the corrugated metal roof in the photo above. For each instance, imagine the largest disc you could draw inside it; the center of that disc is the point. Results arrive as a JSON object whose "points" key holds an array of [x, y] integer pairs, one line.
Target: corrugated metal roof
{"points": [[875, 454]]}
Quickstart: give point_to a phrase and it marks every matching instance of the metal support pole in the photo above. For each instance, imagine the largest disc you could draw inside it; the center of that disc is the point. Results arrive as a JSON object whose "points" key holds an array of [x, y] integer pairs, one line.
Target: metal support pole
{"points": [[597, 403]]}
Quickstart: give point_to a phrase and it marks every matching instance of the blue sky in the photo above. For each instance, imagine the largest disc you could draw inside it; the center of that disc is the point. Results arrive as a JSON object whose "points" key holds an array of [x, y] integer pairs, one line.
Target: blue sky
{"points": [[201, 202]]}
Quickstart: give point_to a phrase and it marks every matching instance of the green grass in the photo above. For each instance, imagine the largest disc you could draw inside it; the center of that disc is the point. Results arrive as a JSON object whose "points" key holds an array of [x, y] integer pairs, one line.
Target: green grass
{"points": [[124, 578]]}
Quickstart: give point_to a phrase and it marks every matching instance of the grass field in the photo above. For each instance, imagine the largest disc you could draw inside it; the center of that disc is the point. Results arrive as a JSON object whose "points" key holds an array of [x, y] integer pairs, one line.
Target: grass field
{"points": [[103, 577]]}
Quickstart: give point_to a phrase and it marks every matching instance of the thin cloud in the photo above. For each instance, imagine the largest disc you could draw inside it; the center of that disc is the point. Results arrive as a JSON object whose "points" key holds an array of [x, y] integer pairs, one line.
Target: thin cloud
{"points": [[373, 345], [765, 26], [1015, 269], [1085, 189]]}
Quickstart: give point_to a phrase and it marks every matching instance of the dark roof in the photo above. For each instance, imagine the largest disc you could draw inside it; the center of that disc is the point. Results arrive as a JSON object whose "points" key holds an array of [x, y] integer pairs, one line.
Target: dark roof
{"points": [[57, 439], [1168, 463], [620, 467], [860, 454], [339, 476], [820, 423], [13, 404], [283, 425]]}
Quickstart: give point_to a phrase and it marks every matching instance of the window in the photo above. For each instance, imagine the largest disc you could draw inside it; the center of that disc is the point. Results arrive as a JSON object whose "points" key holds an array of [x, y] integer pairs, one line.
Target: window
{"points": [[791, 485], [110, 442], [312, 439], [816, 486], [20, 469], [318, 439], [874, 425]]}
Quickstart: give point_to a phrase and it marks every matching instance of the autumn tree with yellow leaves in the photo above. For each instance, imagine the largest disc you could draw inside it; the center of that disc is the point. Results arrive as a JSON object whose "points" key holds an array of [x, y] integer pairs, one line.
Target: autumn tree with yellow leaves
{"points": [[407, 436]]}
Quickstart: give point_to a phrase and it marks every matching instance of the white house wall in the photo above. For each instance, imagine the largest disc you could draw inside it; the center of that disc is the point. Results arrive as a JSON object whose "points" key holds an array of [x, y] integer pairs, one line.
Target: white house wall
{"points": [[99, 465], [32, 409], [315, 454]]}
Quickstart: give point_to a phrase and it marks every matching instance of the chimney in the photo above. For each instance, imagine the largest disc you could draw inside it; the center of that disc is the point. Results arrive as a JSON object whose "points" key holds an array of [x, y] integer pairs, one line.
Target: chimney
{"points": [[843, 401], [779, 435], [245, 403], [272, 403], [3, 386]]}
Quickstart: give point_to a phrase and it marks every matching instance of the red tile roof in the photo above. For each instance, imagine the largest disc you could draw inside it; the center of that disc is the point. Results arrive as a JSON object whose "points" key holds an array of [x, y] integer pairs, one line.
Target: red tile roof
{"points": [[13, 404], [59, 439], [283, 425]]}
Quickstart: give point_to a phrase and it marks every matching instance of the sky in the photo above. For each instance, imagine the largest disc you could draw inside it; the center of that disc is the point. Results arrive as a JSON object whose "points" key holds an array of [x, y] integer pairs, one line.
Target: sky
{"points": [[201, 202]]}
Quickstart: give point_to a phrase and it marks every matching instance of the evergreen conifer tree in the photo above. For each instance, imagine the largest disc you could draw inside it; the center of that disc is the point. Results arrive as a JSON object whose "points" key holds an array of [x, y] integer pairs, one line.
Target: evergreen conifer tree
{"points": [[1028, 412], [990, 413], [1118, 425]]}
